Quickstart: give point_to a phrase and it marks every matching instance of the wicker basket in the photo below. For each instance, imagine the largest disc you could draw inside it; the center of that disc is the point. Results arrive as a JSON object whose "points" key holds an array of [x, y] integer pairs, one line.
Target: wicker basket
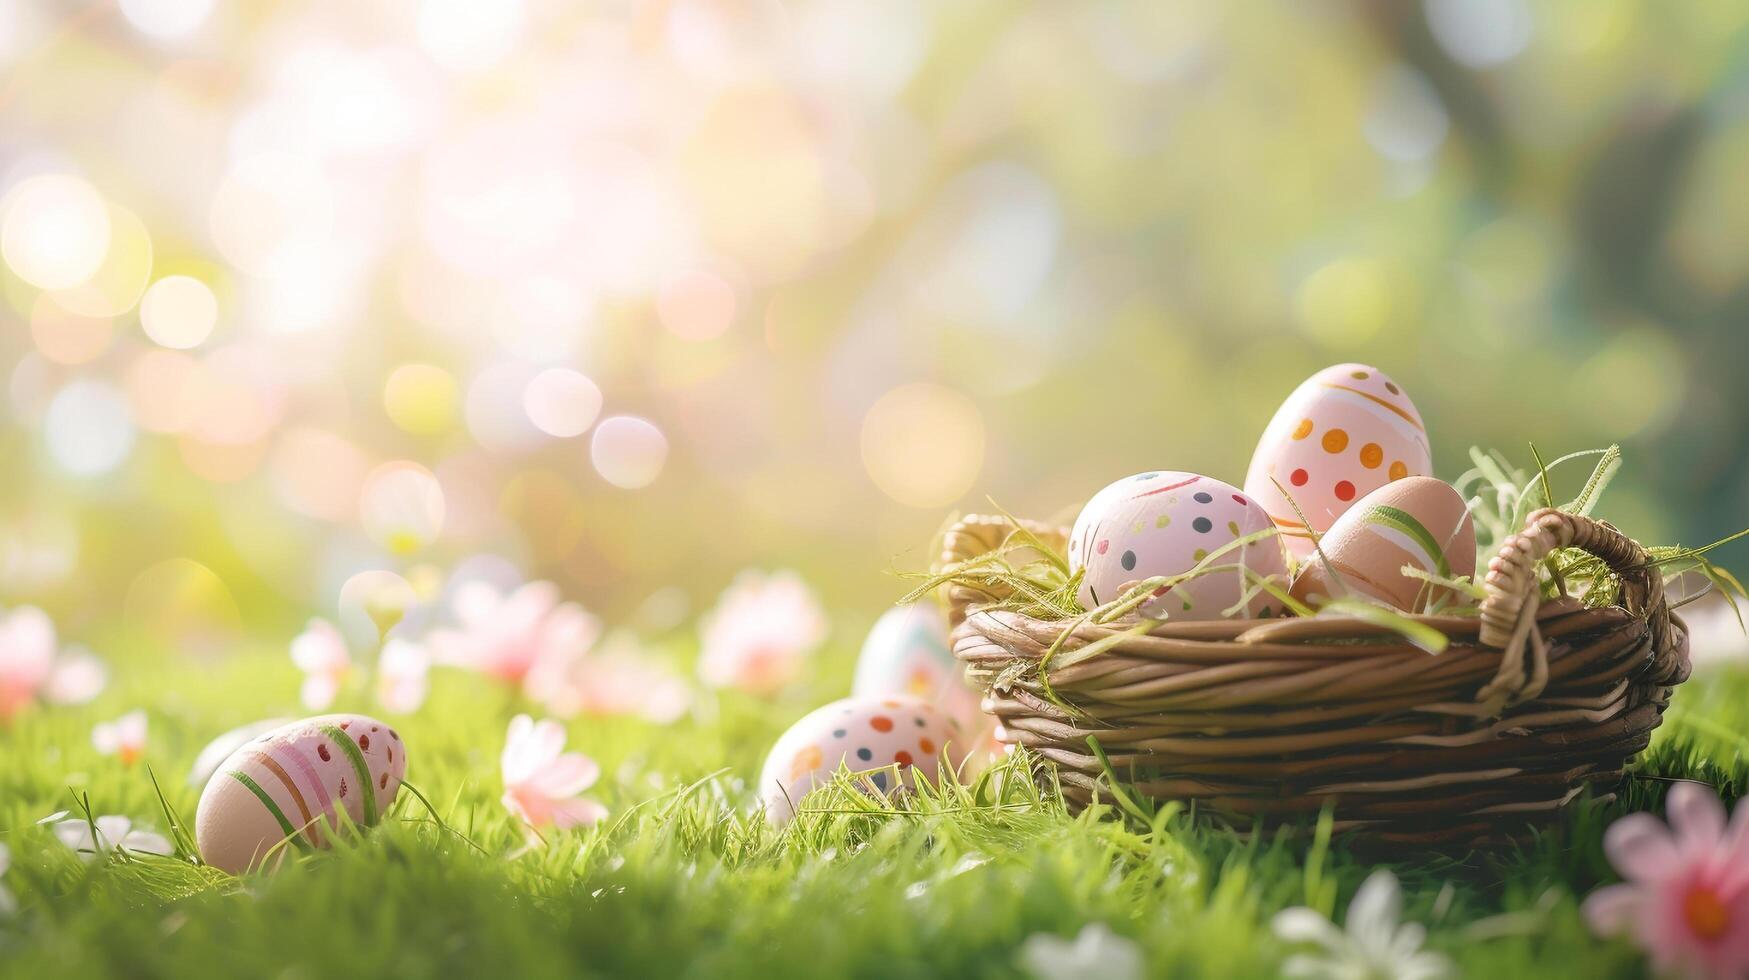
{"points": [[1265, 722]]}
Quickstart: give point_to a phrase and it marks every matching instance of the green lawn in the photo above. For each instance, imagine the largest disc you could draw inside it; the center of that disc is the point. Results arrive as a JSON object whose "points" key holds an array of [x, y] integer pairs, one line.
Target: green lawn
{"points": [[681, 882]]}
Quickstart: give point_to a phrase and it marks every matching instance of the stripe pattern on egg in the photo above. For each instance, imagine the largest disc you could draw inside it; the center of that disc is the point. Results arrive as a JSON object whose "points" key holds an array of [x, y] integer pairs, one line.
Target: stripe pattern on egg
{"points": [[1419, 522], [291, 783]]}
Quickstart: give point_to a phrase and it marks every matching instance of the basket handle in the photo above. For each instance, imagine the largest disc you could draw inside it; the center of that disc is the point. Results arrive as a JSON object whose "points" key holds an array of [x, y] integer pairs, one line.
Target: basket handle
{"points": [[974, 536], [1513, 595]]}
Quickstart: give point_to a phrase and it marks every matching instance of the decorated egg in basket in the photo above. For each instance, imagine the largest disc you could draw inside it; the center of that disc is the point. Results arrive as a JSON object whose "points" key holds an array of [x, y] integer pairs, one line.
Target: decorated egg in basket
{"points": [[1345, 432], [889, 740], [1166, 523], [907, 653], [290, 784], [1417, 522]]}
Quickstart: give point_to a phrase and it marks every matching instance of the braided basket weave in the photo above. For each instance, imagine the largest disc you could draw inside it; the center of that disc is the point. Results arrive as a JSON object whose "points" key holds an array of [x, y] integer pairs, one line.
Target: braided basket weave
{"points": [[1268, 721]]}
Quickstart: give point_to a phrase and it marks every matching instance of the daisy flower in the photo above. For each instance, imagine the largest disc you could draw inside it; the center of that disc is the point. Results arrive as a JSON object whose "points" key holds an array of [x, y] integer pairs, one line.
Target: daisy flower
{"points": [[32, 668], [1374, 942], [542, 782], [124, 737], [320, 652], [1686, 898], [761, 630], [521, 638], [1096, 953], [401, 675], [114, 833]]}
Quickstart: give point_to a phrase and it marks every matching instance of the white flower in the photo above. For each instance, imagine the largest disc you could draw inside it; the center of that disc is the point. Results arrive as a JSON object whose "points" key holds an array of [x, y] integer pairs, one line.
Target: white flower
{"points": [[1374, 945], [320, 652], [113, 833], [8, 903], [401, 675], [1096, 953], [124, 737]]}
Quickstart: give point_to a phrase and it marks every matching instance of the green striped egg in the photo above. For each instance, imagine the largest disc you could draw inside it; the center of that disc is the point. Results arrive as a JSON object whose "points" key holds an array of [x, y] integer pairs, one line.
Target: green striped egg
{"points": [[291, 783], [1417, 522]]}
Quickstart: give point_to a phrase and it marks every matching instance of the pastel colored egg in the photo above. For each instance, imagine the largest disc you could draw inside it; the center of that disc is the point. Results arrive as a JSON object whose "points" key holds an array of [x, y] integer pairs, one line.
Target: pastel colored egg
{"points": [[907, 652], [1417, 521], [889, 740], [291, 783], [221, 747], [1165, 523], [1345, 432]]}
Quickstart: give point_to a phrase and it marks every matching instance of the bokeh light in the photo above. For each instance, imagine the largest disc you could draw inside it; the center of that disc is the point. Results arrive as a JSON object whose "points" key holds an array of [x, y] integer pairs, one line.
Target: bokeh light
{"points": [[54, 231], [628, 452], [420, 398], [179, 312], [401, 506], [166, 19], [562, 402], [88, 428], [923, 444]]}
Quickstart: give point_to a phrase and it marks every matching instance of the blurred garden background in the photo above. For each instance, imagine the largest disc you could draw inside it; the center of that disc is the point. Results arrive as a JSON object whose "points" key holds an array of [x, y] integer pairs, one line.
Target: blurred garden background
{"points": [[632, 295]]}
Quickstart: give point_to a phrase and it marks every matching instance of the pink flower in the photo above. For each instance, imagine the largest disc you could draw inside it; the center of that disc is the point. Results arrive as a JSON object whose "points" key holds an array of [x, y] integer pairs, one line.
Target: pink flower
{"points": [[520, 638], [124, 737], [31, 668], [543, 783], [620, 682], [760, 632], [401, 675], [320, 652], [1686, 898]]}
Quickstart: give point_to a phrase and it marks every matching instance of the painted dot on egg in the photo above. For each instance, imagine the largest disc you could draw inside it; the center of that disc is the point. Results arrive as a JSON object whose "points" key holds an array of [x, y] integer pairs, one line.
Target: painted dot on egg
{"points": [[1233, 526], [864, 754], [1371, 455], [1146, 476], [1103, 547], [1361, 376], [1203, 525], [1163, 520], [1344, 490], [1335, 441], [322, 751], [1203, 498], [881, 723], [838, 733], [902, 757], [927, 746], [1299, 478], [1399, 470], [1391, 386], [1129, 561], [1239, 499], [1199, 554], [1304, 430], [919, 722]]}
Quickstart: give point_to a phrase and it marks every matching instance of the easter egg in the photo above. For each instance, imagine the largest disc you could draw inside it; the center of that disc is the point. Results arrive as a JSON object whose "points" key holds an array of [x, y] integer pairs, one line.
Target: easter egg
{"points": [[1345, 432], [907, 653], [221, 747], [889, 740], [1165, 523], [291, 783], [1417, 521]]}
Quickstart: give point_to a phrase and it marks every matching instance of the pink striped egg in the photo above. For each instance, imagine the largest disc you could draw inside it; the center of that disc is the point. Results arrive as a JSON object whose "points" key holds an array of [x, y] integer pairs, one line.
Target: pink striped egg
{"points": [[290, 783], [1416, 522], [1166, 523], [1345, 432], [889, 740]]}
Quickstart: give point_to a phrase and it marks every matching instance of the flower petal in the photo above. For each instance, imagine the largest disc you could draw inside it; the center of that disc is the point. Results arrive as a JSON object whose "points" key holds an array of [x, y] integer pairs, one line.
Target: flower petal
{"points": [[1696, 815], [78, 676], [568, 775], [1303, 925], [1373, 913], [579, 812], [1611, 910], [1640, 847], [148, 842]]}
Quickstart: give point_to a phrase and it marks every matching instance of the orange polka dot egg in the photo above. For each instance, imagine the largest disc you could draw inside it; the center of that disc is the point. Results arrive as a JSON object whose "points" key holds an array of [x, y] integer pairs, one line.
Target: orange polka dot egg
{"points": [[290, 784], [1345, 432], [1166, 523], [887, 741]]}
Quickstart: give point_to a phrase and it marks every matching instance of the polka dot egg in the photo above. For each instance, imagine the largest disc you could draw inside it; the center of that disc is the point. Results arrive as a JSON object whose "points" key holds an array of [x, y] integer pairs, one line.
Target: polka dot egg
{"points": [[888, 740], [907, 653], [1345, 432], [1166, 523], [291, 783]]}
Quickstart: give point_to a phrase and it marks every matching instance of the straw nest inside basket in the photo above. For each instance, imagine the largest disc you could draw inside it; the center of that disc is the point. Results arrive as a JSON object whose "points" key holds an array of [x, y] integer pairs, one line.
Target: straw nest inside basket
{"points": [[1472, 738]]}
